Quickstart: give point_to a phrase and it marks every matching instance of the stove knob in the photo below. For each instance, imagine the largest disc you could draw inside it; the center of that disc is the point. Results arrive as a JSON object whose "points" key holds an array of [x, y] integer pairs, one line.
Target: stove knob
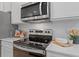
{"points": [[48, 31], [45, 31]]}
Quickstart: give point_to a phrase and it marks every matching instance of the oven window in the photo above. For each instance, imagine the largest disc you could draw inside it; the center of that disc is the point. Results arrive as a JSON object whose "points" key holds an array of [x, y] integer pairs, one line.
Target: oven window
{"points": [[40, 38]]}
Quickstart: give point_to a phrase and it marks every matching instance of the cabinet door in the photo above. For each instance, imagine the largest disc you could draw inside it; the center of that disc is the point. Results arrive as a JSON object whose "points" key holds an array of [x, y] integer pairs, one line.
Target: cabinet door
{"points": [[1, 6], [57, 54], [53, 54], [16, 12], [6, 49], [5, 6], [64, 9]]}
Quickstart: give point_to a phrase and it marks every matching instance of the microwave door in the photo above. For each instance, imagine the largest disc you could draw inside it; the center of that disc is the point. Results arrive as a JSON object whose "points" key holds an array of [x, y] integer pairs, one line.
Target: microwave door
{"points": [[35, 12], [44, 10], [30, 11]]}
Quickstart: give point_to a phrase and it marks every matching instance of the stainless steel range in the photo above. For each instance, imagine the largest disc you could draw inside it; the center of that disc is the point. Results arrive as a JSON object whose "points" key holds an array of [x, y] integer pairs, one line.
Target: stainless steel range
{"points": [[38, 40]]}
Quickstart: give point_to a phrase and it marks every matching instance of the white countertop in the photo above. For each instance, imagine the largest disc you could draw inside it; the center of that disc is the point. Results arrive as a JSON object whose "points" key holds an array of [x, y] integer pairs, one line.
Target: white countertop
{"points": [[10, 39], [7, 39], [72, 51]]}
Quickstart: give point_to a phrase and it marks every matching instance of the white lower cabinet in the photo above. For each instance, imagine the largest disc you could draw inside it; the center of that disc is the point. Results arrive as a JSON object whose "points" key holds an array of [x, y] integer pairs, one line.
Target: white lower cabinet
{"points": [[57, 54], [6, 49], [52, 54]]}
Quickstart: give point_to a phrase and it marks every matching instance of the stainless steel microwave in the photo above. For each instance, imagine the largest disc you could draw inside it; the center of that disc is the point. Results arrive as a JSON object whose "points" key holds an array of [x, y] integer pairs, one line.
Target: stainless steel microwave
{"points": [[35, 11]]}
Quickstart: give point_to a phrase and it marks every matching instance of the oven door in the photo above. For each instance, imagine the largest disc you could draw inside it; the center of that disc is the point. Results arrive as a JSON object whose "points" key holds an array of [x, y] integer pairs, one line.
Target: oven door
{"points": [[35, 11], [40, 38]]}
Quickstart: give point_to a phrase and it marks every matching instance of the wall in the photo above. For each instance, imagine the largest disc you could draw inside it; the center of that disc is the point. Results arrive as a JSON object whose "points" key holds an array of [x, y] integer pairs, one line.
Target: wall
{"points": [[59, 28], [28, 26]]}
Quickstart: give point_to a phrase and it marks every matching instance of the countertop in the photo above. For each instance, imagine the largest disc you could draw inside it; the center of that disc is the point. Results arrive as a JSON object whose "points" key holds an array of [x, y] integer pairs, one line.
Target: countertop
{"points": [[71, 51], [10, 39]]}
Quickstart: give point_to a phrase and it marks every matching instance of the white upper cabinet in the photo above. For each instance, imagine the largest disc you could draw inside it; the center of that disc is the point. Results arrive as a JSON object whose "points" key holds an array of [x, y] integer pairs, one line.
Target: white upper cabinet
{"points": [[58, 11], [1, 6], [16, 12], [5, 6], [64, 10]]}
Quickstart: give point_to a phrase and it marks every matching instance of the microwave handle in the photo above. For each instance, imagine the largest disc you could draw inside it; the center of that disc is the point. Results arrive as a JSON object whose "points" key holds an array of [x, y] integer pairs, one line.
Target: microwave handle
{"points": [[40, 5]]}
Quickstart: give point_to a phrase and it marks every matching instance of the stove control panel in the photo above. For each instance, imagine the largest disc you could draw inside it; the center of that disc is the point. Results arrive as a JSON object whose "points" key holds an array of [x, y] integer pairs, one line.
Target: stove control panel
{"points": [[40, 32]]}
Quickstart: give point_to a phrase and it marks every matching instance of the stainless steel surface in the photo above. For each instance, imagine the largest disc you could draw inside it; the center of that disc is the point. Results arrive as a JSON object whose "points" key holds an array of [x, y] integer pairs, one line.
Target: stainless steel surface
{"points": [[5, 25], [48, 9], [28, 48], [40, 38], [0, 48], [40, 8], [41, 32], [32, 46], [27, 4], [36, 18], [22, 45], [40, 17]]}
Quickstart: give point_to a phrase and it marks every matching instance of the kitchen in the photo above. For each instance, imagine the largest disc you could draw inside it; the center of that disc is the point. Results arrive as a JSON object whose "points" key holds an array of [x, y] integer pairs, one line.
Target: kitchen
{"points": [[57, 18]]}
